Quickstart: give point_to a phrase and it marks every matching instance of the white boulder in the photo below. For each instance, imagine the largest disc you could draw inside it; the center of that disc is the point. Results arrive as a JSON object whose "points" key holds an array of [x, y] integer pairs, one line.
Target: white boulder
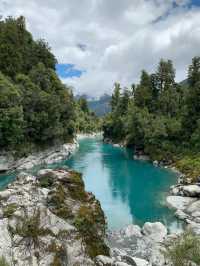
{"points": [[140, 262], [191, 190], [155, 231], [132, 230], [179, 202], [104, 260]]}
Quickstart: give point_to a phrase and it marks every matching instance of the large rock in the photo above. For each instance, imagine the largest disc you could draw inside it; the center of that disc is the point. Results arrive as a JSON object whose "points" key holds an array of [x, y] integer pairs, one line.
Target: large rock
{"points": [[195, 227], [5, 163], [145, 244], [194, 207], [191, 190], [156, 231], [5, 240], [132, 230], [179, 202], [104, 261], [140, 262]]}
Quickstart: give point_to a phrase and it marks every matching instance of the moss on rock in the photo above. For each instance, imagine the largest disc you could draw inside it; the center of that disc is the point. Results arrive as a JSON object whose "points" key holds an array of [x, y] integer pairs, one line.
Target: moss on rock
{"points": [[87, 222]]}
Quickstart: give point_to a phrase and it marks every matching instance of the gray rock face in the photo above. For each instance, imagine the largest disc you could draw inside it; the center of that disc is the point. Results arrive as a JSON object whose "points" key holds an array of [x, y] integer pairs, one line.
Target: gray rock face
{"points": [[191, 190], [37, 220], [139, 246], [179, 202], [5, 162], [187, 205], [49, 156], [141, 157]]}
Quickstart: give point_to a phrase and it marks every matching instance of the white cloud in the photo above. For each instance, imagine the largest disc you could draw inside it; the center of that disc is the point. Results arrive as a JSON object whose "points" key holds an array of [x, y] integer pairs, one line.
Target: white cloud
{"points": [[120, 37]]}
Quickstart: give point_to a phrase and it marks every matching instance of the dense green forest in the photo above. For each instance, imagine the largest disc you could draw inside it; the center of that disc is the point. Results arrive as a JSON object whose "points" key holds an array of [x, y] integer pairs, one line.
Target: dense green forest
{"points": [[36, 109], [158, 117]]}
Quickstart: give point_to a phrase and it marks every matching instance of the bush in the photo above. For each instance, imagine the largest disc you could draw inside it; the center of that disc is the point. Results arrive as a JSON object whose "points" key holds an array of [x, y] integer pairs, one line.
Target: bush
{"points": [[9, 209], [190, 165], [86, 222], [30, 228], [185, 250]]}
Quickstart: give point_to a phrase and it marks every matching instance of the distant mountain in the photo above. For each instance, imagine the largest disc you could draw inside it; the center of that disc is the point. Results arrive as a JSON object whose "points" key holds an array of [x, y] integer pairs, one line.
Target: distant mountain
{"points": [[184, 83], [99, 106]]}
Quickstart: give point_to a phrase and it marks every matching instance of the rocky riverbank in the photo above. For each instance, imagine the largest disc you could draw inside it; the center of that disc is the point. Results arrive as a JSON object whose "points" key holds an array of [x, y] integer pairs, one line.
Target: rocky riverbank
{"points": [[49, 156], [49, 219], [185, 200], [89, 135], [138, 246]]}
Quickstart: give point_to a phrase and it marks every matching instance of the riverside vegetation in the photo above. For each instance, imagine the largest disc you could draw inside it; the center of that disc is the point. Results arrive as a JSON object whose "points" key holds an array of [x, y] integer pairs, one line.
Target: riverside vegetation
{"points": [[36, 109], [160, 117]]}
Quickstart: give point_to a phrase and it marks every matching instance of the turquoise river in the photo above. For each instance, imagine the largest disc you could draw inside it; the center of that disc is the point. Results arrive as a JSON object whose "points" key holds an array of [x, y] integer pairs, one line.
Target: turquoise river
{"points": [[130, 191]]}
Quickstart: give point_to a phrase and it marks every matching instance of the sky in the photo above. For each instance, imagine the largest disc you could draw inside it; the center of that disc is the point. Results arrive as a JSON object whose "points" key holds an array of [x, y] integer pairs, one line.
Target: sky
{"points": [[99, 42]]}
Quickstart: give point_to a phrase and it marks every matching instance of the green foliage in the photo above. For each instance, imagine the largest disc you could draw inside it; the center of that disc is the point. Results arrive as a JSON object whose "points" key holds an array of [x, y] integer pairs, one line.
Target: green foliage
{"points": [[3, 261], [9, 209], [189, 165], [36, 109], [185, 250], [18, 51], [57, 204], [86, 221], [11, 114], [86, 121], [160, 118], [30, 229], [46, 180], [60, 254], [76, 187]]}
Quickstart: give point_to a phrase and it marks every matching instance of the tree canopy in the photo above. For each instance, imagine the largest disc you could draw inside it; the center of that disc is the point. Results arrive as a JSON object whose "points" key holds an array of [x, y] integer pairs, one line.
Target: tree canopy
{"points": [[36, 109], [160, 117]]}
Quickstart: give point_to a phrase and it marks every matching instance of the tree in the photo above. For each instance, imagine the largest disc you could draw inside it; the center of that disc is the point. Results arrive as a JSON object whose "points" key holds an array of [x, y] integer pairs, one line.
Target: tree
{"points": [[11, 114], [165, 75], [192, 110], [115, 96]]}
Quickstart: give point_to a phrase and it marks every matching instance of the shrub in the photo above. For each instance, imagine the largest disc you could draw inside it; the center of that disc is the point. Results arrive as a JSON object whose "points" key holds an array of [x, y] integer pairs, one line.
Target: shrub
{"points": [[47, 180], [60, 254], [86, 222], [57, 203], [190, 165], [185, 250], [30, 228], [9, 209]]}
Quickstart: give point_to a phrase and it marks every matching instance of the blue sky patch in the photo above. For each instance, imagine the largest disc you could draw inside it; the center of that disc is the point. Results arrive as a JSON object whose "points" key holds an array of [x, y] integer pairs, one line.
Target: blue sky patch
{"points": [[68, 71], [194, 3]]}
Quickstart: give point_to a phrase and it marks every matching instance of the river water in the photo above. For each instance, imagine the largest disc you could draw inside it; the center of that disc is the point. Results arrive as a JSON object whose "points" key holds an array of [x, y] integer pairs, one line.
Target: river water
{"points": [[130, 191]]}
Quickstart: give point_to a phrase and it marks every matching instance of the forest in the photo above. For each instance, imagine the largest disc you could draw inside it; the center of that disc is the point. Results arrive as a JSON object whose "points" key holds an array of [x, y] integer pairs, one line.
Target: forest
{"points": [[36, 109], [159, 117]]}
